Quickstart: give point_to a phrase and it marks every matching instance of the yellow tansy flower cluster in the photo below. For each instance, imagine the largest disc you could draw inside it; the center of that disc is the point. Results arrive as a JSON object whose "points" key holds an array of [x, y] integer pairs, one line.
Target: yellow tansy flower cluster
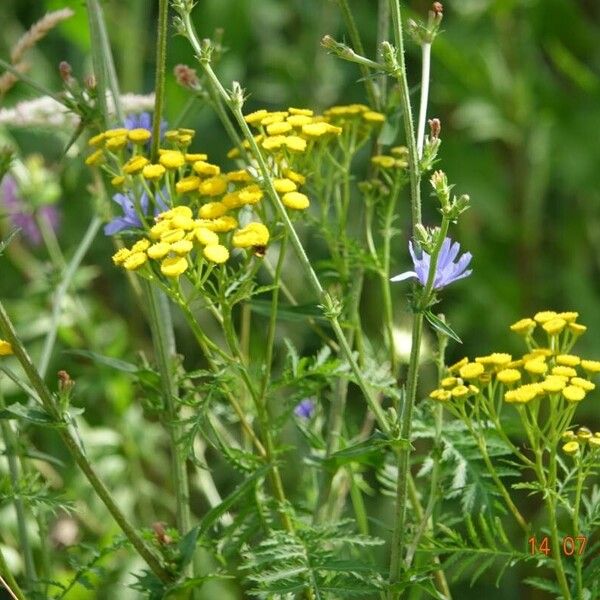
{"points": [[575, 441], [542, 371]]}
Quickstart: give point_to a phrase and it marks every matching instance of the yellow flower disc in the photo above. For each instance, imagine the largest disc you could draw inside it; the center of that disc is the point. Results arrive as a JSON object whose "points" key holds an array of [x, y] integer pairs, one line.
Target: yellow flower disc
{"points": [[174, 266], [212, 210], [135, 260], [254, 234], [554, 326], [569, 317], [120, 255], [157, 230], [577, 329], [591, 366], [584, 384], [140, 246], [573, 393], [295, 177], [181, 221], [206, 237], [543, 316], [232, 200], [172, 235], [554, 384], [594, 443], [497, 358], [284, 185], [116, 143], [508, 376], [274, 142], [441, 395], [172, 159], [96, 140], [182, 247], [158, 250], [460, 391], [384, 161], [295, 200], [449, 382], [564, 371], [568, 360], [5, 348], [537, 366], [299, 120], [373, 116], [187, 184], [240, 176], [192, 158], [256, 116], [471, 370], [118, 180], [95, 158], [305, 112], [214, 186], [204, 168], [571, 447], [223, 224], [135, 165], [457, 365], [295, 143], [153, 172], [139, 135], [278, 128], [523, 327], [216, 253]]}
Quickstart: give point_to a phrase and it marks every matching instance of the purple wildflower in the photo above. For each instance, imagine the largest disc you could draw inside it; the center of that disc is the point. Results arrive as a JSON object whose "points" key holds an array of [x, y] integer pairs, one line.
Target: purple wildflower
{"points": [[447, 271], [130, 218], [305, 409], [22, 217]]}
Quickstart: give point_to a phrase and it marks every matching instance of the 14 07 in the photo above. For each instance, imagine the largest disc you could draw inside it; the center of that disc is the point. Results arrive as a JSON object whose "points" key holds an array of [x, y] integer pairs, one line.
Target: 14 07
{"points": [[570, 545]]}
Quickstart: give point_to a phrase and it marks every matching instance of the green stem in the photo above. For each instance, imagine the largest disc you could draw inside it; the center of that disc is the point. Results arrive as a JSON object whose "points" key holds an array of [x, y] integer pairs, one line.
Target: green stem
{"points": [[576, 532], [8, 581], [383, 29], [425, 73], [372, 92], [74, 448], [159, 85], [11, 448]]}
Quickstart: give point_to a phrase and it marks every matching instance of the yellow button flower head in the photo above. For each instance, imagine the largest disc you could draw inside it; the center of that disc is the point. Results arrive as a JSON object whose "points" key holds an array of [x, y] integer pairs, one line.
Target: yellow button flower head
{"points": [[223, 224], [319, 129], [295, 200], [117, 132], [594, 443], [526, 393], [182, 221], [96, 140], [254, 234], [157, 230], [118, 180], [241, 176], [135, 165], [255, 117], [284, 185], [251, 194], [278, 128], [172, 235], [508, 376], [373, 117], [5, 348], [206, 237], [471, 370], [135, 260], [543, 316], [554, 384], [537, 366], [295, 177], [232, 200], [523, 327], [569, 317], [584, 384], [497, 359], [571, 447], [577, 329], [299, 120], [441, 395], [187, 184], [158, 250], [140, 246], [95, 158], [460, 391], [591, 366], [120, 255], [139, 135], [172, 159], [274, 117], [295, 143], [216, 253], [554, 326], [564, 371], [384, 161], [305, 112], [214, 186], [153, 172], [573, 393], [450, 382], [274, 142], [204, 168], [116, 143], [457, 365], [568, 360], [182, 247], [584, 434], [174, 266], [194, 157], [212, 210]]}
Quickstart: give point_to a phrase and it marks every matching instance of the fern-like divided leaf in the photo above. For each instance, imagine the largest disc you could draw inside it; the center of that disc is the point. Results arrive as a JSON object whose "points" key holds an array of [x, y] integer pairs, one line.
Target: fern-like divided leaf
{"points": [[324, 559]]}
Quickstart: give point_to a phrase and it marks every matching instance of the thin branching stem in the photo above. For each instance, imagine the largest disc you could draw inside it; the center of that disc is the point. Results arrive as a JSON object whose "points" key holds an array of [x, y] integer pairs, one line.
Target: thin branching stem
{"points": [[425, 77]]}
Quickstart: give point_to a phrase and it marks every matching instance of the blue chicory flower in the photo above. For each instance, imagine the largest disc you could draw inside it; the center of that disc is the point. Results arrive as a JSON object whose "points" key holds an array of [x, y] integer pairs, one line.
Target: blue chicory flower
{"points": [[305, 409], [447, 271], [130, 218]]}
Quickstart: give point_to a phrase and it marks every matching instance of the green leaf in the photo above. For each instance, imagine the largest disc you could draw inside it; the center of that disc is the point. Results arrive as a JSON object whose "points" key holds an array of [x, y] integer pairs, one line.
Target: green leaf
{"points": [[7, 240], [442, 327], [368, 452], [33, 415], [108, 361], [289, 312]]}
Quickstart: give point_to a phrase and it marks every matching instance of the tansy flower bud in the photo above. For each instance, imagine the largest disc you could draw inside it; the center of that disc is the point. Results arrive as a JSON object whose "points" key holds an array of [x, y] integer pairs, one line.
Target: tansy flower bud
{"points": [[577, 329], [5, 348], [173, 266], [564, 371], [382, 160], [373, 117], [140, 246], [118, 132], [203, 168], [172, 235], [554, 384], [583, 434], [181, 221], [299, 120], [449, 382], [295, 143], [584, 384], [212, 210], [96, 140], [295, 177], [568, 435], [214, 186], [238, 176], [441, 395], [571, 447], [217, 253], [118, 180], [255, 117], [278, 128], [182, 247], [594, 443], [306, 112], [116, 143], [457, 365], [192, 158], [537, 366], [460, 391], [569, 317], [497, 358], [222, 224]]}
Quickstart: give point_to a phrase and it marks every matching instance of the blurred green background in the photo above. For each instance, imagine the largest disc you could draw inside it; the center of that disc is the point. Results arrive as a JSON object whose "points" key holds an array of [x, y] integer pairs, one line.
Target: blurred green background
{"points": [[516, 84]]}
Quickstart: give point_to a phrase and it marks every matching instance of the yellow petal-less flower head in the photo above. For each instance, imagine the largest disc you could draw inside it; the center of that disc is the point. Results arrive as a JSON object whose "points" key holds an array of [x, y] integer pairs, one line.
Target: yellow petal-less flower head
{"points": [[498, 359], [564, 371], [95, 158], [305, 112], [284, 185], [251, 194], [315, 130], [450, 382], [299, 120], [187, 184], [295, 200], [594, 443], [116, 143], [153, 172], [584, 434], [255, 117], [139, 135], [577, 329], [6, 348], [117, 132], [544, 316], [508, 376], [216, 253], [274, 142], [569, 317], [457, 365], [571, 447], [279, 128], [157, 230], [182, 221], [172, 159], [523, 327], [135, 165], [96, 140], [537, 366], [254, 234], [241, 176], [471, 370], [213, 186], [568, 435], [172, 235], [182, 247], [222, 224], [158, 250], [295, 177], [118, 180], [212, 210], [584, 384], [120, 255], [461, 391], [526, 393], [232, 200], [373, 117], [573, 393], [274, 117], [135, 260], [554, 384], [205, 168], [441, 395], [174, 266], [140, 246], [568, 360], [194, 157], [554, 326], [295, 143], [206, 237], [384, 161], [591, 366]]}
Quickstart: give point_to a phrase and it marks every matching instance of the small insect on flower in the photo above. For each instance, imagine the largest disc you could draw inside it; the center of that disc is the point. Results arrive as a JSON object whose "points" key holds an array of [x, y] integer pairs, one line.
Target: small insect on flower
{"points": [[446, 272]]}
